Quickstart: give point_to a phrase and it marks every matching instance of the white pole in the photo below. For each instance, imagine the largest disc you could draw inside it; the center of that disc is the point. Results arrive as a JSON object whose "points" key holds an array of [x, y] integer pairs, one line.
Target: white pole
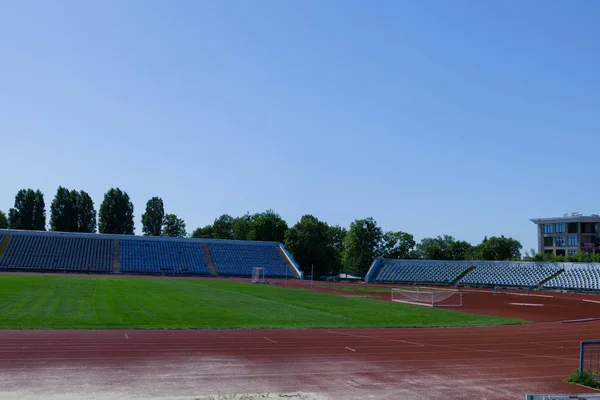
{"points": [[312, 272]]}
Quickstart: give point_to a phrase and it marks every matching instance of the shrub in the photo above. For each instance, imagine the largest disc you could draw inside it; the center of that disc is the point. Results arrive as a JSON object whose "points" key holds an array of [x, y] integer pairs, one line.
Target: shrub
{"points": [[586, 378]]}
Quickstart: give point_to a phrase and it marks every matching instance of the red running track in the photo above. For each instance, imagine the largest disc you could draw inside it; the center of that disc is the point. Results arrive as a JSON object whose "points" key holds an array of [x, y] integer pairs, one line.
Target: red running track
{"points": [[453, 363]]}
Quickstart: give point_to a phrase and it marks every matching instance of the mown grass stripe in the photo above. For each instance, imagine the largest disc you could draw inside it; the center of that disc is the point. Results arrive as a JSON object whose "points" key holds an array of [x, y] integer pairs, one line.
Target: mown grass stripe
{"points": [[83, 302]]}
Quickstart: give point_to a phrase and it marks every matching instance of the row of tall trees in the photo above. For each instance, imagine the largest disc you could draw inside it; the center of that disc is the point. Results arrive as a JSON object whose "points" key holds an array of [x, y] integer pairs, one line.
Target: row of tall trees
{"points": [[73, 211], [312, 242]]}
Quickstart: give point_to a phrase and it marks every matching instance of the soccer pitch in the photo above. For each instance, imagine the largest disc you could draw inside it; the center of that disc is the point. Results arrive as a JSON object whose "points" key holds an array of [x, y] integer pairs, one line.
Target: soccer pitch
{"points": [[82, 302]]}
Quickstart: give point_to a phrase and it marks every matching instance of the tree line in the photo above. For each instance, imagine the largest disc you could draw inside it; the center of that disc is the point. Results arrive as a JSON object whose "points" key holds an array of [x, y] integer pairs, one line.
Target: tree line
{"points": [[312, 242]]}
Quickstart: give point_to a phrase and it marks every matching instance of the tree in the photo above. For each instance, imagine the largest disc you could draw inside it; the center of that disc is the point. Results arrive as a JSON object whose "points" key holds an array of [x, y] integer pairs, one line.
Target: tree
{"points": [[207, 232], [241, 227], [444, 247], [152, 219], [223, 227], [29, 212], [337, 235], [361, 245], [116, 213], [86, 213], [461, 250], [499, 248], [72, 211], [3, 220], [396, 245], [173, 226], [64, 211], [268, 226], [310, 242]]}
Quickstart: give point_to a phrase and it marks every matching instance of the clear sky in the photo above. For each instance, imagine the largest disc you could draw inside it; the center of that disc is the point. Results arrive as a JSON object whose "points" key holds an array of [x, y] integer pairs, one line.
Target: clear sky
{"points": [[434, 117]]}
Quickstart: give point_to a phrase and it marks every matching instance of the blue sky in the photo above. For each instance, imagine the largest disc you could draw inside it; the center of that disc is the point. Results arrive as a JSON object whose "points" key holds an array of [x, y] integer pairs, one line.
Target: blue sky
{"points": [[434, 117]]}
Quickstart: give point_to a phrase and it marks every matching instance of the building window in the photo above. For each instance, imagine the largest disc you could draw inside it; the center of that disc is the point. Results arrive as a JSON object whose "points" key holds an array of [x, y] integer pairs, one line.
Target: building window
{"points": [[560, 228], [572, 251], [560, 241], [572, 240], [548, 228], [548, 241], [572, 227]]}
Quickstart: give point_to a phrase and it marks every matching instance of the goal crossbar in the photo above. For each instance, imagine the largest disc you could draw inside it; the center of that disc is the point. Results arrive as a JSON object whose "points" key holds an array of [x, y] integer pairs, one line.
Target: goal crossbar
{"points": [[427, 297]]}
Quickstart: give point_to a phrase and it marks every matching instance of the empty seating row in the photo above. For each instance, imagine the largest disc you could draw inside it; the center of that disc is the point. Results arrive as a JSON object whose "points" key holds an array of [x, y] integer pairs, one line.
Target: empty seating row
{"points": [[420, 272], [576, 278], [239, 258], [50, 253], [168, 257], [509, 274]]}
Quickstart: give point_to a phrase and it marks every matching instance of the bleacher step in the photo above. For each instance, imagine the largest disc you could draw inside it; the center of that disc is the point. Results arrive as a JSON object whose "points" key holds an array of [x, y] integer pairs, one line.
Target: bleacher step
{"points": [[209, 260], [116, 264], [4, 244]]}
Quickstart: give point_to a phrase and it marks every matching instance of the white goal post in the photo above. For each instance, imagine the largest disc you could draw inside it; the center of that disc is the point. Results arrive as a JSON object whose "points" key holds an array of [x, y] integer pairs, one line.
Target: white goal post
{"points": [[427, 297], [258, 275]]}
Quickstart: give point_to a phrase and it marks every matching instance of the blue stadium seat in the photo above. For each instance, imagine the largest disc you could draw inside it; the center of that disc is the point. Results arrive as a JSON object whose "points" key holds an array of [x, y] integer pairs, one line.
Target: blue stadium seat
{"points": [[240, 258], [163, 257], [52, 252]]}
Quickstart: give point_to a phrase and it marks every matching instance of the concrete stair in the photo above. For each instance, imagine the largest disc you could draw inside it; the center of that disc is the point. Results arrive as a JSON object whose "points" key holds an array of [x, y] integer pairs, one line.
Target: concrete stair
{"points": [[116, 264], [209, 260], [4, 244]]}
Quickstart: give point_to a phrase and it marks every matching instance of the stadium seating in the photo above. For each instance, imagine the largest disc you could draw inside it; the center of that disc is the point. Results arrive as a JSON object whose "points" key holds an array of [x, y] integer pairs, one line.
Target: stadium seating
{"points": [[162, 257], [509, 274], [586, 278], [239, 258], [83, 252], [60, 252], [421, 271]]}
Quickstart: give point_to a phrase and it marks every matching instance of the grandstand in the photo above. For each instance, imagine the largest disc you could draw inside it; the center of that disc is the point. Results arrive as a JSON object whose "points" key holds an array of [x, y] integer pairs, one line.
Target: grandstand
{"points": [[567, 276], [99, 253], [576, 276], [515, 274], [416, 271]]}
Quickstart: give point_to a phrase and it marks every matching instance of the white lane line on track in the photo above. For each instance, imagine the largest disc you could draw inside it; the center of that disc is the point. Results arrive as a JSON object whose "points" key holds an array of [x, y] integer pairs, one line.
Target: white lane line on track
{"points": [[272, 341], [375, 338], [348, 348], [591, 301]]}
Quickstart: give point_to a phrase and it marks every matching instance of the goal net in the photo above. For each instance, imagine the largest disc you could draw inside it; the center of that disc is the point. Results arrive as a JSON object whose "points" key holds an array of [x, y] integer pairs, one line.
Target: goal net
{"points": [[427, 297], [258, 275]]}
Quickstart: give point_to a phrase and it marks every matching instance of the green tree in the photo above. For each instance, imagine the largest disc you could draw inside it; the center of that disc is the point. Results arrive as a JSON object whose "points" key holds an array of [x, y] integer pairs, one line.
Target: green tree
{"points": [[173, 226], [361, 245], [499, 249], [29, 212], [3, 220], [268, 226], [310, 242], [86, 213], [72, 211], [223, 227], [242, 227], [337, 235], [204, 233], [64, 211], [461, 250], [153, 218], [396, 245], [116, 213], [444, 247]]}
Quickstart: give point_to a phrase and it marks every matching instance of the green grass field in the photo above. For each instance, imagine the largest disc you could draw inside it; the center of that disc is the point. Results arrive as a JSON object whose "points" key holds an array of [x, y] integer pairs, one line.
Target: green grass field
{"points": [[81, 302]]}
